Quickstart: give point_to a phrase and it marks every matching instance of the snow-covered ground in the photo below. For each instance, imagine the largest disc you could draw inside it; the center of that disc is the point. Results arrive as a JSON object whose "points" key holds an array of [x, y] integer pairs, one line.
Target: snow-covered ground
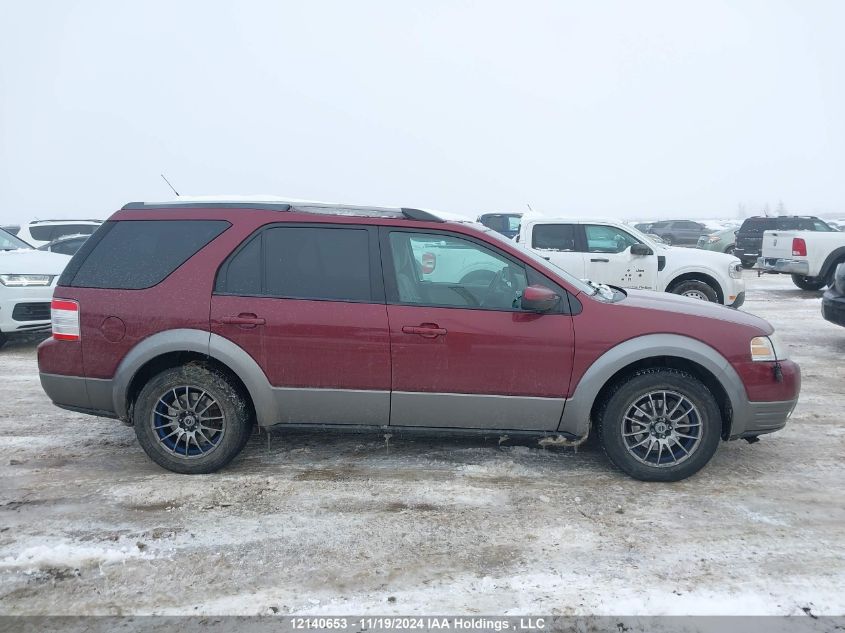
{"points": [[310, 523]]}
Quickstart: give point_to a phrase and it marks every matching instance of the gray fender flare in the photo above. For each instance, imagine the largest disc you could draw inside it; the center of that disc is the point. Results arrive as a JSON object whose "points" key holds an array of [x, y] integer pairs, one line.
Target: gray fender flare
{"points": [[201, 342], [576, 412]]}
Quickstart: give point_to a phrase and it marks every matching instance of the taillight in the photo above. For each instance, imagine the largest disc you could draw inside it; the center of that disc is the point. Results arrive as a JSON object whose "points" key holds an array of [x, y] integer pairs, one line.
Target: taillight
{"points": [[799, 247], [65, 316]]}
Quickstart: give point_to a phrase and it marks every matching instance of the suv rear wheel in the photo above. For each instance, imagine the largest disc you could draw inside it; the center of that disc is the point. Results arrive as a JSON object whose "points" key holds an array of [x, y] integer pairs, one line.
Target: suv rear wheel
{"points": [[192, 419], [808, 283], [660, 425], [695, 289]]}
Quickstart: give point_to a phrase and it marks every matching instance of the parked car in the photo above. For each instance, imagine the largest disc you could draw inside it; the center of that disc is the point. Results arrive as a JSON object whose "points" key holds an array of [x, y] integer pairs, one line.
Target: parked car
{"points": [[612, 253], [65, 245], [721, 241], [678, 232], [505, 223], [27, 279], [41, 232], [749, 237], [810, 257], [193, 321], [833, 301]]}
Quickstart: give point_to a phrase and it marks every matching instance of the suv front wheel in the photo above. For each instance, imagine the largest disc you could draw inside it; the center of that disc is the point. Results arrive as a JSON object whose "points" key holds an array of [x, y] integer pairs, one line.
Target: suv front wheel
{"points": [[695, 289], [191, 419], [660, 425]]}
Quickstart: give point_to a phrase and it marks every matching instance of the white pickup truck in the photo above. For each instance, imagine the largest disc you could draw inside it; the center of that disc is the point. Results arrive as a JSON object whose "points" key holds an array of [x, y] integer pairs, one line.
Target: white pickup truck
{"points": [[810, 257], [613, 253]]}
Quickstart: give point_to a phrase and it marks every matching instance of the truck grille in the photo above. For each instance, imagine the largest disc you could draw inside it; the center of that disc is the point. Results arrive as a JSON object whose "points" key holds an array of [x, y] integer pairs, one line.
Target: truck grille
{"points": [[32, 311]]}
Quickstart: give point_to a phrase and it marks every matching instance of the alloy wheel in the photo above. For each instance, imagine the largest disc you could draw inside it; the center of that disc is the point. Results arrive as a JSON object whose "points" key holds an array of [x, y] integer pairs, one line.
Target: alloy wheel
{"points": [[188, 422], [662, 428]]}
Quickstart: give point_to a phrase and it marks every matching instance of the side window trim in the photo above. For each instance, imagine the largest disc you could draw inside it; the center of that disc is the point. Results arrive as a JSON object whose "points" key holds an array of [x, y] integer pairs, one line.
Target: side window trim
{"points": [[377, 294], [392, 290]]}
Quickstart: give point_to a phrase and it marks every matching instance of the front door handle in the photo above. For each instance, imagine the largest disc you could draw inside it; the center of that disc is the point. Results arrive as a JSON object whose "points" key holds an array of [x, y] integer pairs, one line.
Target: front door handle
{"points": [[426, 330], [600, 259], [244, 318]]}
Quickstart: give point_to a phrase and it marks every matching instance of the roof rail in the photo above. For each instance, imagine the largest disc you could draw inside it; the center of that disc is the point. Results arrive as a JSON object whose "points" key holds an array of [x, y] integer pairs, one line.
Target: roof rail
{"points": [[296, 207]]}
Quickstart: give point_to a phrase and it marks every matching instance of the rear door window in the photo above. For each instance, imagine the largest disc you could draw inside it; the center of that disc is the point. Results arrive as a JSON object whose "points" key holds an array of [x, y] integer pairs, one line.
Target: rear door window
{"points": [[554, 237], [136, 254], [296, 262]]}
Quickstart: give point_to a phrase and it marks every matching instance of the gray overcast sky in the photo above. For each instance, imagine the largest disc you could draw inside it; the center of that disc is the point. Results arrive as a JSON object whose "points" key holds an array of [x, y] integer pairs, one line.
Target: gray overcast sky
{"points": [[633, 109]]}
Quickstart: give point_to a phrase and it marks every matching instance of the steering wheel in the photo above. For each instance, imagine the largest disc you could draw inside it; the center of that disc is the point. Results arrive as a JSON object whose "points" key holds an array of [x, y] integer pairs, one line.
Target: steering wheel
{"points": [[501, 282]]}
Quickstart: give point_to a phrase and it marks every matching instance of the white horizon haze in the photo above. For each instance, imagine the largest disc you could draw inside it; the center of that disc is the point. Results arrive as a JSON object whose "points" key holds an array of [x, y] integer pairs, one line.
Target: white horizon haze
{"points": [[653, 109]]}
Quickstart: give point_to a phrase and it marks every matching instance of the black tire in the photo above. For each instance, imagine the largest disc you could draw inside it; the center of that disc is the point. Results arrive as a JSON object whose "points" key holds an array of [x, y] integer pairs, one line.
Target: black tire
{"points": [[3, 339], [612, 418], [696, 289], [748, 263], [808, 283], [152, 424], [830, 280], [729, 250]]}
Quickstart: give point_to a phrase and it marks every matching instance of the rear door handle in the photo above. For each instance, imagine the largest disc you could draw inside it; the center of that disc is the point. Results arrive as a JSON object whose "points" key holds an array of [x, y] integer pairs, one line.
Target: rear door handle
{"points": [[244, 318], [600, 259], [426, 330]]}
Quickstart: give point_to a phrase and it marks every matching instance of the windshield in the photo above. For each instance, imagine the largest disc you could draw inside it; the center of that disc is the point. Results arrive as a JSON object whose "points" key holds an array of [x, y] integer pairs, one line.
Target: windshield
{"points": [[646, 239], [9, 242], [544, 264]]}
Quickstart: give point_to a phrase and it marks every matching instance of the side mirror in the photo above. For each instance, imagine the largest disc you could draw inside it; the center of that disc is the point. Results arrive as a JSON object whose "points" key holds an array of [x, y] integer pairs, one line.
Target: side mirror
{"points": [[539, 299], [641, 249]]}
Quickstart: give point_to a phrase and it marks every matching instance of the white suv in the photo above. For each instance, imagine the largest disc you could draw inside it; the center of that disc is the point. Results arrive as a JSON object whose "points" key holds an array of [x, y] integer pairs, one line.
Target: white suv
{"points": [[41, 232], [616, 254], [27, 279]]}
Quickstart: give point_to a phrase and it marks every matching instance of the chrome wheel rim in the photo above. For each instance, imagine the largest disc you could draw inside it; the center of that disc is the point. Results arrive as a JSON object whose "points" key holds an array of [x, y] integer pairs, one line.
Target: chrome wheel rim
{"points": [[662, 428], [188, 422], [695, 294]]}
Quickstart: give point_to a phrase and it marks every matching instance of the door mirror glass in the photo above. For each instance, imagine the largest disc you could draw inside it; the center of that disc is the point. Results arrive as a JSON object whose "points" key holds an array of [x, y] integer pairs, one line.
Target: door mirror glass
{"points": [[538, 298], [641, 249]]}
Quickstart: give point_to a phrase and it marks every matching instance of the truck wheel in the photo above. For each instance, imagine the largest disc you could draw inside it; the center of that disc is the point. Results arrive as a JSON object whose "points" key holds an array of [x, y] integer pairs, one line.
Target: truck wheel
{"points": [[808, 283], [748, 263], [695, 289], [192, 419], [3, 339], [730, 249], [660, 425]]}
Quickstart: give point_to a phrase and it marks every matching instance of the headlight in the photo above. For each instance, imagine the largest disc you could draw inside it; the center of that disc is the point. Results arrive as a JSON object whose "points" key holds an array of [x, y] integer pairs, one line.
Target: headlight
{"points": [[767, 348], [22, 281], [714, 238], [735, 270]]}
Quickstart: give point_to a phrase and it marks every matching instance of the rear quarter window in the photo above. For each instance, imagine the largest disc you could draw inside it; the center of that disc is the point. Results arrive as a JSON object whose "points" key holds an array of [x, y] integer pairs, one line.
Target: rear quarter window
{"points": [[137, 254], [756, 226]]}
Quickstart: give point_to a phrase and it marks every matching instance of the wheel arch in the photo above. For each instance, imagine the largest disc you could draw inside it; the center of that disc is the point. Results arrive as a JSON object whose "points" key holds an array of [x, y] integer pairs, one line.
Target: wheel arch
{"points": [[830, 262], [649, 351], [177, 347], [698, 276]]}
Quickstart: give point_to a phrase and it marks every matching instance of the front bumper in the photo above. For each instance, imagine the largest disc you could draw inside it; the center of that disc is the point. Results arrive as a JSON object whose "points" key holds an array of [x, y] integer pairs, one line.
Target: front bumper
{"points": [[25, 310], [833, 307], [767, 417], [783, 265], [774, 398]]}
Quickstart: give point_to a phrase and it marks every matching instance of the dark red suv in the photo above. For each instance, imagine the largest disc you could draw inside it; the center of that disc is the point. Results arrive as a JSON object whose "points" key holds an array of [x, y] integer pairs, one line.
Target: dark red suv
{"points": [[194, 321]]}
